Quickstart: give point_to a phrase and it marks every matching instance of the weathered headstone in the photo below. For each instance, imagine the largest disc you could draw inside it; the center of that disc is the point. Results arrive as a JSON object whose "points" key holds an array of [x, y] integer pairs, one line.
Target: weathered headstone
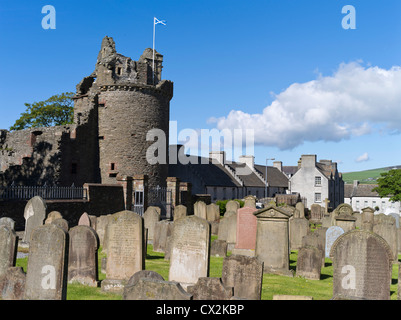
{"points": [[272, 240], [180, 211], [332, 234], [316, 213], [344, 217], [309, 263], [8, 222], [299, 227], [163, 229], [385, 226], [12, 284], [125, 249], [34, 214], [46, 277], [200, 209], [246, 230], [232, 205], [210, 289], [317, 240], [362, 263], [228, 230], [127, 294], [189, 257], [101, 225], [62, 223], [151, 217], [53, 216], [218, 248], [250, 201], [212, 212], [245, 274], [8, 248], [82, 260]]}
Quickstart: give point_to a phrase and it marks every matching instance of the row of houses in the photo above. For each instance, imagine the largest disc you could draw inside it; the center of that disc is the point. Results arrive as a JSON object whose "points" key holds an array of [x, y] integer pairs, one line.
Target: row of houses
{"points": [[311, 180]]}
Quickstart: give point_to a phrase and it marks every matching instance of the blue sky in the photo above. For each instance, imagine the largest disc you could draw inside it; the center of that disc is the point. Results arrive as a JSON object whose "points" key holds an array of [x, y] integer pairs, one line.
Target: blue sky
{"points": [[286, 69]]}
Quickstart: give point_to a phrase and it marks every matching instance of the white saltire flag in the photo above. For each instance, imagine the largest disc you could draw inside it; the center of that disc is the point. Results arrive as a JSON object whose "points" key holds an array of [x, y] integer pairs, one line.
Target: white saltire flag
{"points": [[155, 22]]}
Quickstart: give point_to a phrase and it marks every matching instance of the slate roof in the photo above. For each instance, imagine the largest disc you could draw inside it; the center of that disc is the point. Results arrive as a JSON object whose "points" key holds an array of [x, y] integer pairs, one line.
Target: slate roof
{"points": [[361, 190]]}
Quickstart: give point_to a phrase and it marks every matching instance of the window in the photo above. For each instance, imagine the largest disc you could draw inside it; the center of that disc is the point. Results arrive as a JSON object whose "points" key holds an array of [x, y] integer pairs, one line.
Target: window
{"points": [[318, 181], [318, 197], [112, 166]]}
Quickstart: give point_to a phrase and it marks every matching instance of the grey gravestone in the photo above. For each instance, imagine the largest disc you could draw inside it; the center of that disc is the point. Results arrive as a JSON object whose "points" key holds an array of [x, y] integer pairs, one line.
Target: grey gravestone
{"points": [[332, 234], [245, 274], [316, 240], [344, 217], [84, 220], [8, 248], [212, 212], [299, 227], [53, 216], [62, 223], [218, 248], [189, 256], [250, 201], [367, 219], [272, 240], [5, 221], [228, 230], [232, 205], [309, 263], [385, 226], [200, 209], [210, 289], [129, 288], [180, 211], [163, 230], [125, 249], [46, 277], [12, 284], [82, 260], [362, 263], [154, 289], [150, 218], [35, 215]]}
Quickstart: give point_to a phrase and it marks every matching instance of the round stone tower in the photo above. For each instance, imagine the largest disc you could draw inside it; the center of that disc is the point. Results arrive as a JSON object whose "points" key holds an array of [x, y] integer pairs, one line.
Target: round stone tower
{"points": [[131, 100]]}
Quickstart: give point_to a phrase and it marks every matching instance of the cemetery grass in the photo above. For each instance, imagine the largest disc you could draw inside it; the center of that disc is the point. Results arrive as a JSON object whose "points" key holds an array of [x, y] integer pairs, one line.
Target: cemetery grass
{"points": [[272, 284]]}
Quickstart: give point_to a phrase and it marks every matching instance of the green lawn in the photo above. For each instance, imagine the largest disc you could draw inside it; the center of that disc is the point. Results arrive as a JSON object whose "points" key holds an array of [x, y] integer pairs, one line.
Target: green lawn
{"points": [[272, 284]]}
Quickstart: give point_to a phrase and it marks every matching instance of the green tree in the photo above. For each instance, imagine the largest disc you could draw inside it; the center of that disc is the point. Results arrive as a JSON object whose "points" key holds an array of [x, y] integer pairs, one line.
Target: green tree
{"points": [[56, 111], [389, 184]]}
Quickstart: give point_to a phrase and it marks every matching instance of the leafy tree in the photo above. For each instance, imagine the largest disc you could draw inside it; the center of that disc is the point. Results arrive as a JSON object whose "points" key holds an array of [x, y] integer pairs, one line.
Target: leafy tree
{"points": [[390, 185], [56, 111]]}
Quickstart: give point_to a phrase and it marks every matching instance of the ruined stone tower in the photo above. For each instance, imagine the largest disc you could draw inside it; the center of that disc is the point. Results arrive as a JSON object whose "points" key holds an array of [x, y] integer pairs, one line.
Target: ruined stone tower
{"points": [[123, 100]]}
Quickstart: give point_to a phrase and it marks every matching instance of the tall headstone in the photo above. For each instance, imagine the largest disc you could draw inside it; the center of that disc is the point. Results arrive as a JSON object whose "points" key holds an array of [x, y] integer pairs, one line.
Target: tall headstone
{"points": [[315, 213], [125, 249], [212, 212], [332, 234], [46, 277], [362, 264], [8, 248], [163, 230], [180, 211], [309, 263], [246, 230], [367, 219], [245, 274], [317, 240], [35, 215], [299, 227], [385, 226], [232, 205], [250, 201], [200, 209], [228, 230], [82, 260], [272, 240], [151, 217], [85, 220], [189, 257]]}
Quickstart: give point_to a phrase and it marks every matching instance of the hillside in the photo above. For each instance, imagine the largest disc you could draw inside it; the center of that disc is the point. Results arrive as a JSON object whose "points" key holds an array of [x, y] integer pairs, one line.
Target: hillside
{"points": [[366, 176]]}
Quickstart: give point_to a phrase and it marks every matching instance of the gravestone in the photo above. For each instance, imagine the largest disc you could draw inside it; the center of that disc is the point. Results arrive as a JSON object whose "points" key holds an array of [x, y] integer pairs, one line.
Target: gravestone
{"points": [[12, 284], [317, 240], [180, 211], [82, 260], [299, 227], [8, 222], [245, 274], [155, 289], [385, 226], [250, 201], [132, 282], [53, 216], [362, 264], [332, 234], [212, 212], [62, 223], [8, 248], [210, 289], [315, 213], [344, 217], [309, 263], [246, 230], [200, 209], [163, 229], [151, 217], [46, 277], [34, 214], [125, 249], [218, 248], [367, 219], [228, 230], [101, 225], [189, 256], [272, 240], [84, 220], [232, 205]]}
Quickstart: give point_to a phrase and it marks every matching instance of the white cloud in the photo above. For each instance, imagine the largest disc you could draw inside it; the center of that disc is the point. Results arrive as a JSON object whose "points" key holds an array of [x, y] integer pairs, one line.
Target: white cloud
{"points": [[363, 157], [352, 102]]}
